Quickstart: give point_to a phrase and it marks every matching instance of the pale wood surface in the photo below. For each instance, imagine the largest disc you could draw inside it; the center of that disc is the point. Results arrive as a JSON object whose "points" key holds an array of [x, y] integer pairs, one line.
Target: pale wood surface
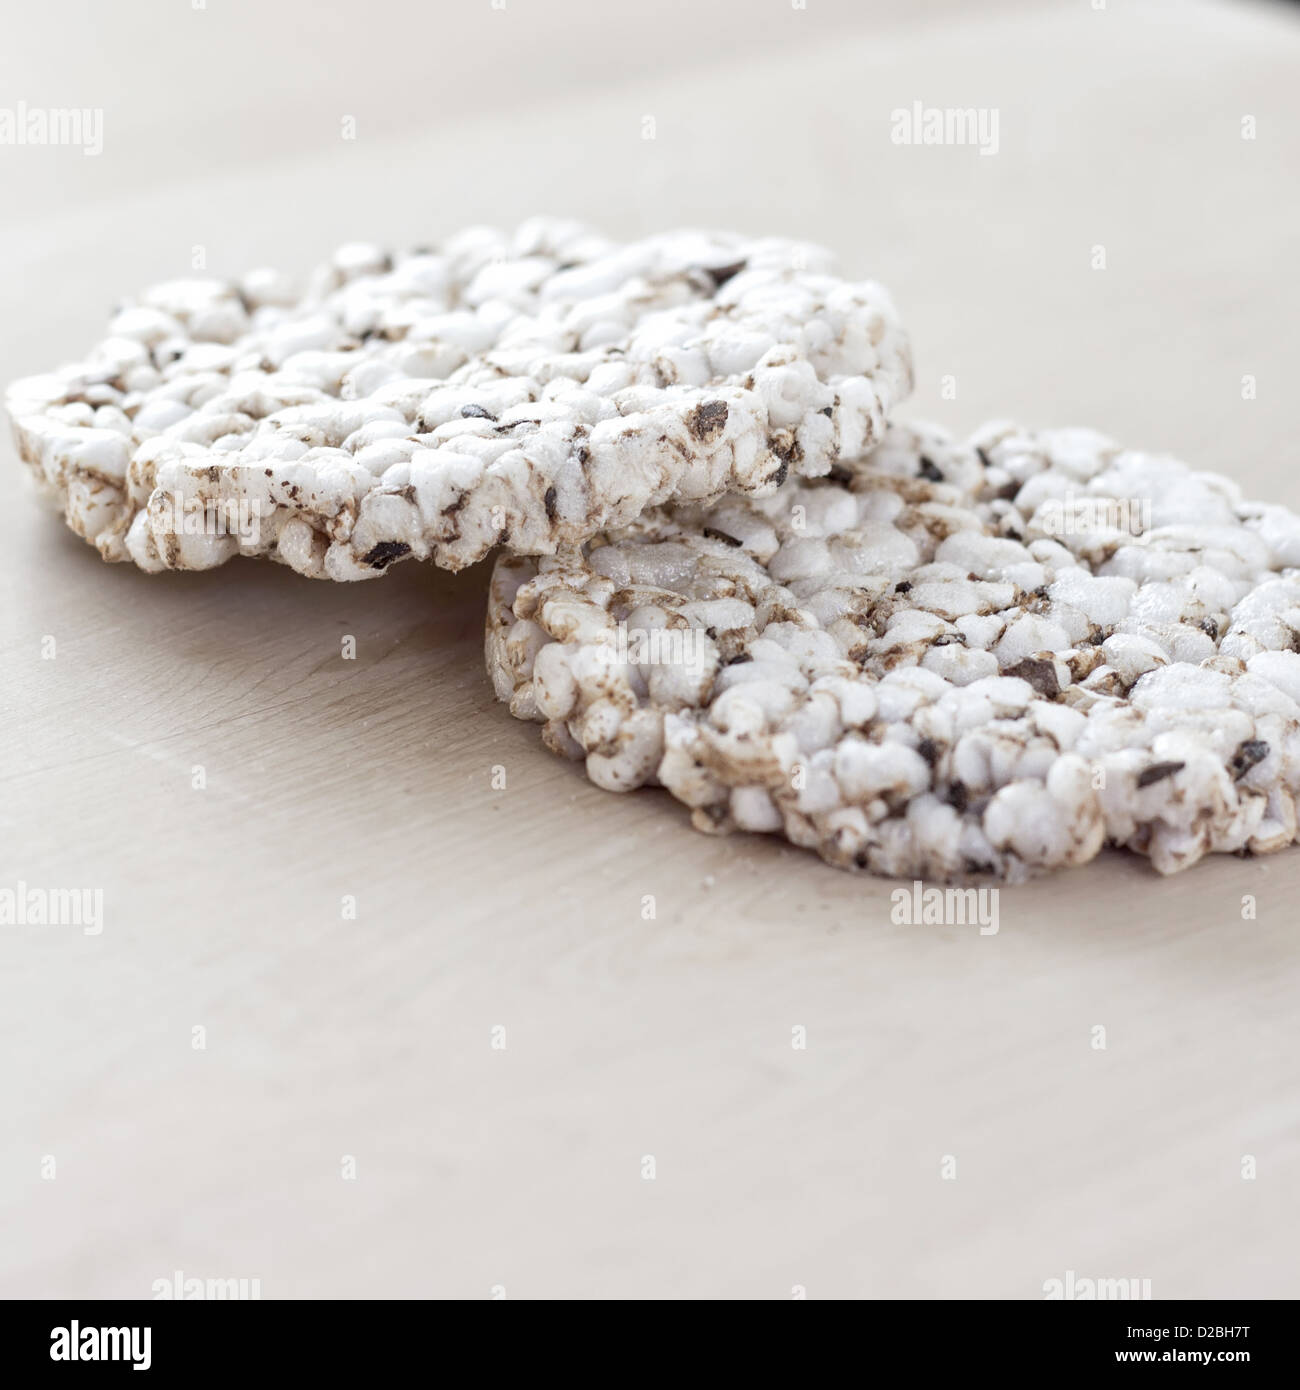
{"points": [[522, 907]]}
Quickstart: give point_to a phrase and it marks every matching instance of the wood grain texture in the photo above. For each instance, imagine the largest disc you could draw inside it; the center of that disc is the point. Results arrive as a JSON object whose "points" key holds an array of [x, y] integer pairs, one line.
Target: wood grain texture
{"points": [[522, 907]]}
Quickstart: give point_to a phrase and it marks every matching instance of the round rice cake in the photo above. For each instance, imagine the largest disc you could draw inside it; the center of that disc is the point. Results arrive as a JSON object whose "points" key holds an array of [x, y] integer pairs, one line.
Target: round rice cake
{"points": [[946, 661], [524, 390]]}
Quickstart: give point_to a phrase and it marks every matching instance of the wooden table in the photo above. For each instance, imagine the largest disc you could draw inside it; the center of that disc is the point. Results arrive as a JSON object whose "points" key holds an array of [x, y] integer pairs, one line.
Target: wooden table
{"points": [[477, 1167]]}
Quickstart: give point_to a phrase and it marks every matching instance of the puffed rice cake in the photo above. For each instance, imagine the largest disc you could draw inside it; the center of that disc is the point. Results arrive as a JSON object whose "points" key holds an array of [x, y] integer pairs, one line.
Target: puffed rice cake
{"points": [[946, 661], [524, 390]]}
